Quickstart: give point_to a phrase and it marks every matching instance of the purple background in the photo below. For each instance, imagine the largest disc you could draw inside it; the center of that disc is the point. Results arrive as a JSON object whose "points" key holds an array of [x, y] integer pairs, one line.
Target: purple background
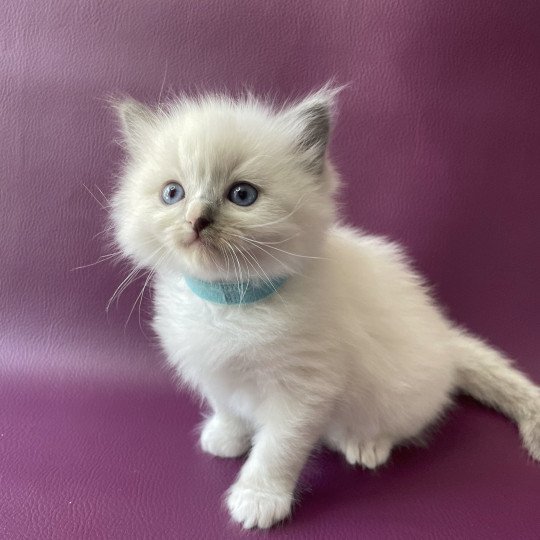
{"points": [[439, 144]]}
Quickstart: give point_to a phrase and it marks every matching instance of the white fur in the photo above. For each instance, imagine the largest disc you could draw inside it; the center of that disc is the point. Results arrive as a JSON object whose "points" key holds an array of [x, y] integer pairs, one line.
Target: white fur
{"points": [[351, 351]]}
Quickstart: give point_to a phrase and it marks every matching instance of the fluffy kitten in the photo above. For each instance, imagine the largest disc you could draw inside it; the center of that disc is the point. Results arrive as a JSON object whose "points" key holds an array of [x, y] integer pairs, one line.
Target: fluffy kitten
{"points": [[349, 349]]}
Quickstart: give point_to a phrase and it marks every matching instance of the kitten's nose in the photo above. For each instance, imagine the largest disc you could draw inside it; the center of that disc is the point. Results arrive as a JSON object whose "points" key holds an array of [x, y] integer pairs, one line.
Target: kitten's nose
{"points": [[201, 223]]}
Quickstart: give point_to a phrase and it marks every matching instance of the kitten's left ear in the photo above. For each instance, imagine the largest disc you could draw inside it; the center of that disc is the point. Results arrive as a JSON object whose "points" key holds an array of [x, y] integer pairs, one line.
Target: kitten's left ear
{"points": [[310, 121], [136, 121]]}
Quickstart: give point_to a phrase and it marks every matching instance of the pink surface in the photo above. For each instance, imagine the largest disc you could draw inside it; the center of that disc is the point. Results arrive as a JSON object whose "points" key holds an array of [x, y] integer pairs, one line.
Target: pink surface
{"points": [[438, 141]]}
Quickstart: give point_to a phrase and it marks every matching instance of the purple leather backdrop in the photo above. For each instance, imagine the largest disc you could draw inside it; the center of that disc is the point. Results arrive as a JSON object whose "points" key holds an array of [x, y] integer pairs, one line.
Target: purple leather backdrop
{"points": [[438, 140]]}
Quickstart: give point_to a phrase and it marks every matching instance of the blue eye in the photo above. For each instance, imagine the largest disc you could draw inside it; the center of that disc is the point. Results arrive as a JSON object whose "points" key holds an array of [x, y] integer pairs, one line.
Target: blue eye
{"points": [[172, 193], [243, 194]]}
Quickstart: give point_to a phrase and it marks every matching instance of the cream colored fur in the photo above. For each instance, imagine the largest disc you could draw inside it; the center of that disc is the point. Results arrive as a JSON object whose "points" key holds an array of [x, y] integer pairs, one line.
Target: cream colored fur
{"points": [[351, 351]]}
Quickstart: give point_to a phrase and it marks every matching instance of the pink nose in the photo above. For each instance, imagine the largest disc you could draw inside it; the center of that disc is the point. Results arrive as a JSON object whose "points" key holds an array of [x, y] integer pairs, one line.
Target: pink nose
{"points": [[201, 223]]}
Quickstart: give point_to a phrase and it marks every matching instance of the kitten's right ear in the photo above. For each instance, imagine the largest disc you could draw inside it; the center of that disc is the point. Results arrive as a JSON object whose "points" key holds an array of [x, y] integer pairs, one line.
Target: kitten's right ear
{"points": [[136, 120], [310, 121]]}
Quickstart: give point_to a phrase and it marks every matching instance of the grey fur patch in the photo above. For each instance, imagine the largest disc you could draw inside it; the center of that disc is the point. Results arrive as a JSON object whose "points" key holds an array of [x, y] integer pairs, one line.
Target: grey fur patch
{"points": [[316, 134]]}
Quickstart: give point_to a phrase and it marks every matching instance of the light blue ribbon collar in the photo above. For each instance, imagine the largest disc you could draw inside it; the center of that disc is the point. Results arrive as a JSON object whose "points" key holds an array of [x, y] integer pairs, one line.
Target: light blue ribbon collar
{"points": [[233, 293]]}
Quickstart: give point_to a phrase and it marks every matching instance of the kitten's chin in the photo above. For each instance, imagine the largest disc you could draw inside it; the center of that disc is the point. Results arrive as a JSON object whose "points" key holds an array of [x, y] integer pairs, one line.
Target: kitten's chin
{"points": [[194, 243], [200, 258]]}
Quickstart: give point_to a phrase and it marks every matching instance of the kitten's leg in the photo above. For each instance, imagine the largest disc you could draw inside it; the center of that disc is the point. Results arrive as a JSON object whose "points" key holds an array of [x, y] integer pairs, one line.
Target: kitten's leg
{"points": [[225, 435], [263, 492]]}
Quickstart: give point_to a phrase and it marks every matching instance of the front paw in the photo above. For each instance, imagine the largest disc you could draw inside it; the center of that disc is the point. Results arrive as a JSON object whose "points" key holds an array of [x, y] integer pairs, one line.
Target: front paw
{"points": [[224, 437], [253, 506]]}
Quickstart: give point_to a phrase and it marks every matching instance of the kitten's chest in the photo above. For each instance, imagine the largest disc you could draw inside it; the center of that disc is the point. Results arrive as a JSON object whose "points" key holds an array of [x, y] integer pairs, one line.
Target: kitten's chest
{"points": [[200, 337]]}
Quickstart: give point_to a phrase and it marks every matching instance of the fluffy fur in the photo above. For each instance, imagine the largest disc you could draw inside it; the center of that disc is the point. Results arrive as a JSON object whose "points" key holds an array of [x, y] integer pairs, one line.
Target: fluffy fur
{"points": [[351, 351]]}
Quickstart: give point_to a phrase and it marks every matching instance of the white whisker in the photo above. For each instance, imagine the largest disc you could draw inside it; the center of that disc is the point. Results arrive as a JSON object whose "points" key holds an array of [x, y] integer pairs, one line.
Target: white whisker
{"points": [[107, 229], [239, 280], [140, 295], [95, 198], [101, 259], [131, 277], [120, 287], [251, 240], [288, 269], [266, 278], [103, 195]]}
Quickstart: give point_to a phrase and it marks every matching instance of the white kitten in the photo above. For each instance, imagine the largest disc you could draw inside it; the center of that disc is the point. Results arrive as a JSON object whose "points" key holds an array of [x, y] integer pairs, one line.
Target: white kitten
{"points": [[322, 333]]}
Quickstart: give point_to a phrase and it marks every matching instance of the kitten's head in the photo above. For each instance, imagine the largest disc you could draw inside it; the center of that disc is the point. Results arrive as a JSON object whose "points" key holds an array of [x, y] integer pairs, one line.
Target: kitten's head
{"points": [[221, 189]]}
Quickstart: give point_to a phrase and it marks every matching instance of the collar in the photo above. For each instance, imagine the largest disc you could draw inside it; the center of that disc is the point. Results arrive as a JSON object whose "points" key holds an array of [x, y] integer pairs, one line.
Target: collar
{"points": [[232, 292]]}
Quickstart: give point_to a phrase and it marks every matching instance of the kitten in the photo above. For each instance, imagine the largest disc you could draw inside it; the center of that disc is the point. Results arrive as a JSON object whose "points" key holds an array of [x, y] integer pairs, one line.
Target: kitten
{"points": [[294, 329]]}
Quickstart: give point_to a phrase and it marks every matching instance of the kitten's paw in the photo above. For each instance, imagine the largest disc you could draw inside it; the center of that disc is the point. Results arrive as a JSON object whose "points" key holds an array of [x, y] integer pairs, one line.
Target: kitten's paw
{"points": [[370, 454], [256, 507], [225, 437]]}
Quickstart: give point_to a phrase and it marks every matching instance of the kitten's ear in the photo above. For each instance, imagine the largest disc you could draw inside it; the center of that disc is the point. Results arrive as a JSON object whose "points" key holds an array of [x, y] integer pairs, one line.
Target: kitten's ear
{"points": [[310, 121], [136, 121]]}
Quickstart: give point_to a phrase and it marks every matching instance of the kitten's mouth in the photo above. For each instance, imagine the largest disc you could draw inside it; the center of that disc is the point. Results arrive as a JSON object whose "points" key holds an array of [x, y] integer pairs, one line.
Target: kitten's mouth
{"points": [[193, 241], [198, 241]]}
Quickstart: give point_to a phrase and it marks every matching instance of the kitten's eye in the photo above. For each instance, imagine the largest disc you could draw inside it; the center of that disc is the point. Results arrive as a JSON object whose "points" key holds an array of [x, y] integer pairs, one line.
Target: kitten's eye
{"points": [[243, 194], [172, 193]]}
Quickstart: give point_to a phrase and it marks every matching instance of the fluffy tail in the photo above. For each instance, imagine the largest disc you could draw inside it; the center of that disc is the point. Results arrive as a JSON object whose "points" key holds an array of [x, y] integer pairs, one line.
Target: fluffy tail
{"points": [[489, 377]]}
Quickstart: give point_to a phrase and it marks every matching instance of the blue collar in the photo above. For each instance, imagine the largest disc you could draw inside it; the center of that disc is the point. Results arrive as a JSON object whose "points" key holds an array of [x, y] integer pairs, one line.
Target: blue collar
{"points": [[230, 292]]}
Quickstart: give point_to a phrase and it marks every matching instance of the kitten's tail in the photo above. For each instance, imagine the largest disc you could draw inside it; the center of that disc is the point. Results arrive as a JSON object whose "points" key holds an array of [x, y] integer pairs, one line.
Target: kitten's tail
{"points": [[489, 377]]}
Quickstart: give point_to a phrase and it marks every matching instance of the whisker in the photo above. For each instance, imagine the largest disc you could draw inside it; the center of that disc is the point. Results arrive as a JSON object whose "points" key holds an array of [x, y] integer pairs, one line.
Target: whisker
{"points": [[131, 277], [162, 260], [95, 198], [290, 253], [107, 229], [103, 195], [228, 261], [213, 259], [266, 277], [119, 289], [101, 259], [223, 253], [277, 249], [111, 255], [140, 295], [244, 288], [286, 266], [267, 280], [239, 275], [296, 235]]}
